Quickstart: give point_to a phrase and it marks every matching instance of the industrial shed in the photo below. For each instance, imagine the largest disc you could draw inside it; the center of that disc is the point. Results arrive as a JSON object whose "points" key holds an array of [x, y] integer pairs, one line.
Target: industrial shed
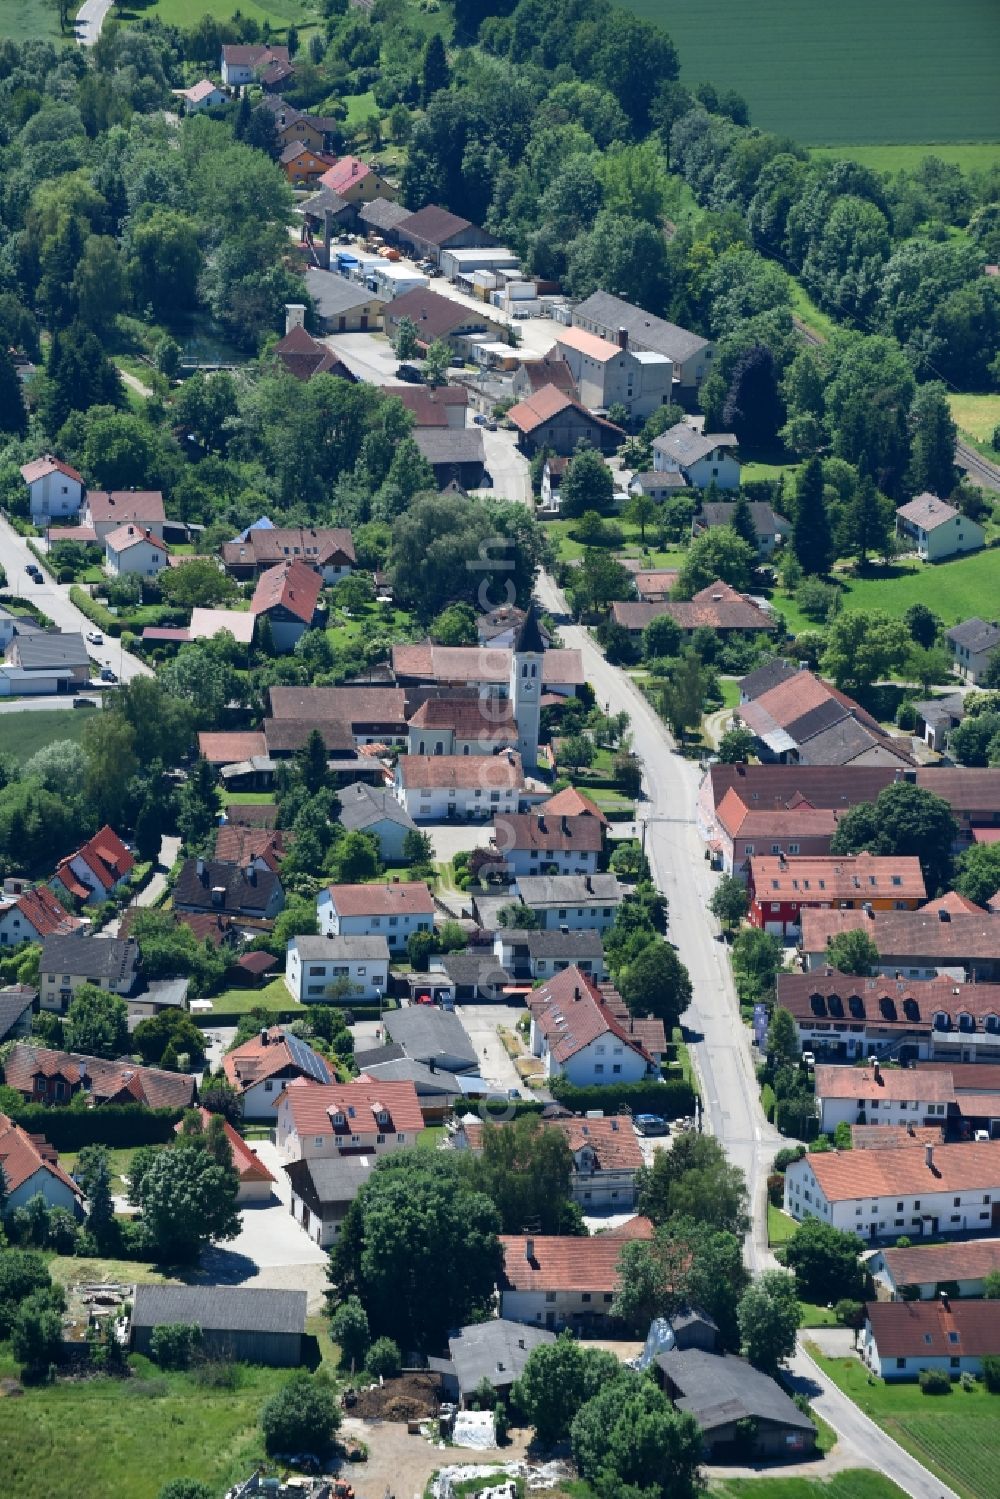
{"points": [[251, 1327]]}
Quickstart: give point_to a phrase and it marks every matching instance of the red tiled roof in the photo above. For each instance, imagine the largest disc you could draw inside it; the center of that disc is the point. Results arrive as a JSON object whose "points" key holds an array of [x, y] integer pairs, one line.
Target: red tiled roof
{"points": [[130, 536], [142, 506], [834, 877], [544, 404], [951, 902], [656, 584], [105, 855], [345, 173], [22, 1155], [410, 898], [501, 772], [560, 1263], [901, 934], [425, 662], [613, 1141], [353, 705], [570, 1011], [892, 1083], [844, 1175], [909, 1004], [47, 915], [249, 1165], [256, 963], [235, 844], [937, 1262], [470, 718], [892, 1136], [933, 1329], [428, 407], [229, 748], [291, 585], [312, 1105], [108, 1080], [256, 1060], [208, 926], [527, 830], [40, 468], [572, 803], [635, 1228], [739, 820]]}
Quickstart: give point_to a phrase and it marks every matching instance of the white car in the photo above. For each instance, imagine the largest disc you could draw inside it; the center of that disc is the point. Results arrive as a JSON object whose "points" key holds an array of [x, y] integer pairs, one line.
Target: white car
{"points": [[95, 637]]}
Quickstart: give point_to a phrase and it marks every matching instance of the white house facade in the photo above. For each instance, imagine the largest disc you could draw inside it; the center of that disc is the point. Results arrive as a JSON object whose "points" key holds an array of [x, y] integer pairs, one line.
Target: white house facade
{"points": [[131, 550], [55, 490], [393, 911], [313, 965]]}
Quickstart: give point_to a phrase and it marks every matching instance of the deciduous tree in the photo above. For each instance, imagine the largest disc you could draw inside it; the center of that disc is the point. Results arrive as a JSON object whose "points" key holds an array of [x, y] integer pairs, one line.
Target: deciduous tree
{"points": [[97, 1023], [769, 1316]]}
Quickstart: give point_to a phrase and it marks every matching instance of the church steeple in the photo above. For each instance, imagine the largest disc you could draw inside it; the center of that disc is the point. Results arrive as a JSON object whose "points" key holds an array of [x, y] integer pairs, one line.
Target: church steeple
{"points": [[526, 686]]}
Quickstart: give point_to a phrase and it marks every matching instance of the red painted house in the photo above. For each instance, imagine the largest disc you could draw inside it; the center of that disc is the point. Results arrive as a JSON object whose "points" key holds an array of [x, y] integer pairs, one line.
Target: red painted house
{"points": [[781, 888]]}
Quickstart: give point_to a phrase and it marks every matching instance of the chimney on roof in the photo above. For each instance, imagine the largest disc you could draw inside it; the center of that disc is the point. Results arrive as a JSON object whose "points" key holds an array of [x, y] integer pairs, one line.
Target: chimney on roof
{"points": [[576, 992], [929, 1156], [200, 870], [623, 338], [529, 1251], [251, 873], [944, 1301], [878, 1075], [588, 882], [911, 1131], [520, 1342], [944, 915], [264, 1038], [295, 316]]}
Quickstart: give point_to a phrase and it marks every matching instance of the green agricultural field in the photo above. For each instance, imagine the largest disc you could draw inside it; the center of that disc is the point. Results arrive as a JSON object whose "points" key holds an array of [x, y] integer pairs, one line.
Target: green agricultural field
{"points": [[130, 1437], [185, 13], [954, 590], [23, 20], [853, 72], [855, 1483], [971, 158], [23, 734], [979, 415], [957, 1436]]}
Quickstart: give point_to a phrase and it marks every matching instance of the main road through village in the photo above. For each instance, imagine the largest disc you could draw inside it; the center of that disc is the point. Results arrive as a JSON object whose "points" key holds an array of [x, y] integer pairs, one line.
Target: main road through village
{"points": [[719, 1041]]}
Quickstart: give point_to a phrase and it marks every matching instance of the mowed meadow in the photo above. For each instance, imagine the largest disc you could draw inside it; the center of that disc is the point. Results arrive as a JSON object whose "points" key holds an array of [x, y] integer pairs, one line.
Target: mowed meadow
{"points": [[846, 71]]}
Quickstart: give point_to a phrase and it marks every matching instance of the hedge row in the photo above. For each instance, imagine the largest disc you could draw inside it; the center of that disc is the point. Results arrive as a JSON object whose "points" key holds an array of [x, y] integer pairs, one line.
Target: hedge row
{"points": [[115, 1124], [220, 1016], [672, 1099], [95, 612], [41, 558]]}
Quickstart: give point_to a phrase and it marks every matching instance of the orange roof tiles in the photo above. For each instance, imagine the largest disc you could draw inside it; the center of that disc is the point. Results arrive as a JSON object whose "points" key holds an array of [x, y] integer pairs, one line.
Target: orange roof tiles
{"points": [[258, 1059], [22, 1155], [229, 748], [501, 772], [560, 1263], [892, 1083], [312, 1106], [249, 1165], [846, 1175], [290, 585], [572, 803], [825, 877], [411, 898]]}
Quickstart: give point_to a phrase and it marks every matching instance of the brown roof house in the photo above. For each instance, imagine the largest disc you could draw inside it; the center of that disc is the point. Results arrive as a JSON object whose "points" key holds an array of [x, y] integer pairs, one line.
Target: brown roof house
{"points": [[806, 719], [902, 1338], [304, 356], [328, 549], [435, 787], [582, 1036], [913, 944], [394, 910], [551, 418], [437, 317], [555, 1281], [211, 887], [432, 229], [287, 596], [771, 528], [43, 1075], [260, 1069]]}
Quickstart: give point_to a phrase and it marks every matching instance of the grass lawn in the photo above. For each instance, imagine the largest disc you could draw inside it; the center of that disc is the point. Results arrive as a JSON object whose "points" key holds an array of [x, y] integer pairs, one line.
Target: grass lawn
{"points": [[957, 1436], [359, 108], [272, 996], [130, 1437], [779, 1226], [23, 734], [817, 1316], [807, 312], [247, 798], [32, 18], [853, 71], [380, 619], [977, 414], [187, 13], [954, 590], [121, 1161], [567, 547], [68, 1270], [971, 158], [431, 1137], [730, 689], [855, 1483]]}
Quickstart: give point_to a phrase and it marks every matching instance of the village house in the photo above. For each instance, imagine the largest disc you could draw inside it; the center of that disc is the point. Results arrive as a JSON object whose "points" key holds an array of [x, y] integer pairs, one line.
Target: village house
{"points": [[362, 1117], [606, 1155], [264, 847], [771, 528], [437, 1038], [655, 586], [356, 182], [319, 969], [304, 356], [437, 406], [260, 1069], [913, 944], [30, 1167], [608, 373], [44, 662], [806, 719], [658, 487], [43, 1075], [211, 886], [394, 910], [291, 124], [974, 643], [256, 1182], [700, 458], [201, 95], [432, 230], [238, 1324], [465, 725], [936, 530], [570, 802], [322, 1192], [571, 901], [717, 607], [842, 1018], [580, 1037], [531, 843], [902, 1338], [303, 164], [881, 1095], [374, 810], [555, 1281], [329, 550], [432, 788], [342, 306], [105, 511], [18, 1008], [131, 550], [242, 64], [527, 956], [287, 596], [920, 1272], [739, 831], [375, 715], [96, 870], [780, 887], [535, 372], [607, 316], [66, 962], [456, 457], [552, 418], [737, 1407], [436, 317], [917, 1190], [55, 489], [495, 1351], [31, 913]]}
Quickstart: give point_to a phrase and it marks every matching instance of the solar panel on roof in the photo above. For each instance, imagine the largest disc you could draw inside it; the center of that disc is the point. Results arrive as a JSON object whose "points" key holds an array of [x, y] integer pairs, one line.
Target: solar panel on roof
{"points": [[305, 1058]]}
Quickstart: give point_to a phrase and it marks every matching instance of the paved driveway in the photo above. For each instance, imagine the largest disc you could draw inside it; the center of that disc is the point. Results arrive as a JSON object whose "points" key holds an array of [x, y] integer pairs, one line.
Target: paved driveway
{"points": [[370, 356], [449, 838], [481, 1022]]}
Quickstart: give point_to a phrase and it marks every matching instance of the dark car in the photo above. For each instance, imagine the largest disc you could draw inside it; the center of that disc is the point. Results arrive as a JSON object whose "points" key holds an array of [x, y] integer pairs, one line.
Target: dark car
{"points": [[410, 373]]}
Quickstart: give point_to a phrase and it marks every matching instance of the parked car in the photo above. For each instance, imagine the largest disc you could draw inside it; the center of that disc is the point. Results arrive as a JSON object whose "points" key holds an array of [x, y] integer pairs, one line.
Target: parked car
{"points": [[651, 1124], [84, 702], [107, 675], [95, 637], [410, 373], [34, 571]]}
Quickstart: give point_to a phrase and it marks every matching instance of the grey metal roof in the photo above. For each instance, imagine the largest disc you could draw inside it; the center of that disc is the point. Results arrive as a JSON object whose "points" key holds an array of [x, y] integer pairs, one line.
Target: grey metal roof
{"points": [[643, 328], [773, 672], [451, 445], [569, 889], [478, 967], [497, 1351], [408, 1070], [720, 1388], [46, 649], [173, 992], [108, 958], [425, 1032], [13, 1003], [686, 445], [383, 214], [977, 635], [220, 1308], [337, 1180], [363, 806], [333, 294], [390, 1053], [346, 949]]}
